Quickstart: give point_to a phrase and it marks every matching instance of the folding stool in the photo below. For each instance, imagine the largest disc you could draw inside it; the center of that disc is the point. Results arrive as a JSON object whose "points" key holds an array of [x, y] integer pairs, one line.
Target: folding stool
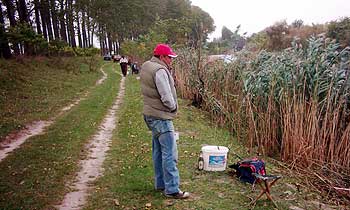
{"points": [[265, 182]]}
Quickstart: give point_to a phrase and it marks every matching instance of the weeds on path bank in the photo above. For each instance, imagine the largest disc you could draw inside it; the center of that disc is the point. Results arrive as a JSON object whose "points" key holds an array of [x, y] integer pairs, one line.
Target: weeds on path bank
{"points": [[34, 176], [36, 88], [292, 105]]}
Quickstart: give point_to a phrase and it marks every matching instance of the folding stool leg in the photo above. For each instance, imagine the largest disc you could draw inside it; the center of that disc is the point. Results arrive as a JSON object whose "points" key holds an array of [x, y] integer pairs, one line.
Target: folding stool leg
{"points": [[265, 190], [262, 192]]}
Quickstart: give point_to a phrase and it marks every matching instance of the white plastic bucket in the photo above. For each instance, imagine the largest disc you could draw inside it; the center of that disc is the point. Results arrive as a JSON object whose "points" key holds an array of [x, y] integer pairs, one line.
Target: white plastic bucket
{"points": [[215, 158]]}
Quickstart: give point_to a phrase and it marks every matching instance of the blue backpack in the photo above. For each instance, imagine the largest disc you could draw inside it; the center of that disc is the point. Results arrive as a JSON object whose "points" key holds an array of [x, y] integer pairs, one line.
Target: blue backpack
{"points": [[246, 167]]}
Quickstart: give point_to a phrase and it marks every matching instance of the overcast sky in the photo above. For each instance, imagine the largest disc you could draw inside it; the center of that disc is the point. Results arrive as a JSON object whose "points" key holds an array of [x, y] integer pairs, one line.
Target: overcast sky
{"points": [[256, 15]]}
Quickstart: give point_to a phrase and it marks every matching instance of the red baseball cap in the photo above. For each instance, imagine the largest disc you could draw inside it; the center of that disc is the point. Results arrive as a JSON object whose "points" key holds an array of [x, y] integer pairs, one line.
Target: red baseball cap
{"points": [[163, 49]]}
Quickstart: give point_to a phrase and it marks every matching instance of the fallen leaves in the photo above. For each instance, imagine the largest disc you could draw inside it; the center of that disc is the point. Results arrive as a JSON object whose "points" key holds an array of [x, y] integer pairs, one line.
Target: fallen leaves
{"points": [[169, 202], [116, 202]]}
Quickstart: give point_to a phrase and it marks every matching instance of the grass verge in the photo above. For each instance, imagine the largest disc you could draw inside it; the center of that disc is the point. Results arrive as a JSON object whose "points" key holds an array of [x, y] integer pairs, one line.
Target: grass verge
{"points": [[36, 88], [34, 176], [128, 178]]}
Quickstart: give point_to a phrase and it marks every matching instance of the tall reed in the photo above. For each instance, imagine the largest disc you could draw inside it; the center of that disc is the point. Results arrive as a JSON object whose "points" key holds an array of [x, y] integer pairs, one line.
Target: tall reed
{"points": [[293, 104]]}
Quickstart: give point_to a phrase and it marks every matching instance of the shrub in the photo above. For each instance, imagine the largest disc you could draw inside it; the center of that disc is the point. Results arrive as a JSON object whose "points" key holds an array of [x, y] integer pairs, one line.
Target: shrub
{"points": [[340, 30]]}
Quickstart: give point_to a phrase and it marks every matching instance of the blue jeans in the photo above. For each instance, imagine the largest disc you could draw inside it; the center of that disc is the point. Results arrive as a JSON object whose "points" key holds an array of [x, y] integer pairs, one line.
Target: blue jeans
{"points": [[164, 154]]}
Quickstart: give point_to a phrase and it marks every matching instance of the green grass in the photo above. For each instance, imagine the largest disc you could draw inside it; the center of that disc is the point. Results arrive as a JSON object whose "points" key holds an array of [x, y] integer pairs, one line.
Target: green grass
{"points": [[128, 178], [37, 88], [34, 176]]}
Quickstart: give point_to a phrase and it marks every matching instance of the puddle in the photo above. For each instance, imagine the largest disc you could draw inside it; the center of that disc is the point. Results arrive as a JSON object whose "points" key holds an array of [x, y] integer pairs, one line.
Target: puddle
{"points": [[91, 167]]}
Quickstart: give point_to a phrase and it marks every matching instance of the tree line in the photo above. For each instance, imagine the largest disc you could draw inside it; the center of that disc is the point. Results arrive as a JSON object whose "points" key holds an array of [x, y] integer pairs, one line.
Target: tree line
{"points": [[280, 36], [32, 27]]}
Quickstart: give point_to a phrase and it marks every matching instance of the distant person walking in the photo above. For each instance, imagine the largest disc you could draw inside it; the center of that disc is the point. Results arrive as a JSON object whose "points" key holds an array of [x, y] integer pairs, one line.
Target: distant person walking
{"points": [[160, 107], [124, 65]]}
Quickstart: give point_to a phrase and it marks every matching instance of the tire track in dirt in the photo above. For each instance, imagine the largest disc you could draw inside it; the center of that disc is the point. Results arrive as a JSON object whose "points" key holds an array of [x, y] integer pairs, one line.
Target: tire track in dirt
{"points": [[16, 139], [91, 167]]}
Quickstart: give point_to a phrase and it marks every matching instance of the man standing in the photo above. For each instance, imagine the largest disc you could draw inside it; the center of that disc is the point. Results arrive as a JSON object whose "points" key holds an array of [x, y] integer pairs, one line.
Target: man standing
{"points": [[160, 107]]}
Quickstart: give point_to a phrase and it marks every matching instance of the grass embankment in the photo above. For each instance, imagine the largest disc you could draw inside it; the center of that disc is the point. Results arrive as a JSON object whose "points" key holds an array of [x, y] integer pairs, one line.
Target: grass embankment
{"points": [[36, 88], [34, 176], [128, 178]]}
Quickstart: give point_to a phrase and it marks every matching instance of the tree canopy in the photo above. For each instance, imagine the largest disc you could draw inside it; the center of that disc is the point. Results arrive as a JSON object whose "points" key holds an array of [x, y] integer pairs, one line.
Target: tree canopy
{"points": [[58, 23]]}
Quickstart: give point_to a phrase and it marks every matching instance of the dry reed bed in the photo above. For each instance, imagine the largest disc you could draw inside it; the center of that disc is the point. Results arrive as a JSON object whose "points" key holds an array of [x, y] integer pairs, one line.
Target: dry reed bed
{"points": [[292, 104]]}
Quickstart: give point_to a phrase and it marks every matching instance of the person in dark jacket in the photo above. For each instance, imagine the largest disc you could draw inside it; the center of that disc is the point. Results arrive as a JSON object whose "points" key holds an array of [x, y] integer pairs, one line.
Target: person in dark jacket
{"points": [[134, 68]]}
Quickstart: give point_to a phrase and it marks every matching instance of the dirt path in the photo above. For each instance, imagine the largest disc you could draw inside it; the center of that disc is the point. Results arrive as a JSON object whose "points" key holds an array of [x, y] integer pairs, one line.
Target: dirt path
{"points": [[91, 167], [16, 139]]}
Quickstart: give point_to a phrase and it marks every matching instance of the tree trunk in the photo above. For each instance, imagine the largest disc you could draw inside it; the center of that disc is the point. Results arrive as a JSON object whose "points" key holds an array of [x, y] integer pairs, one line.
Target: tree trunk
{"points": [[110, 47], [105, 43], [22, 11], [68, 35], [47, 16], [101, 39], [54, 18], [11, 16], [92, 35], [27, 48], [101, 44], [70, 25], [83, 27], [88, 31], [78, 30], [37, 17], [10, 12], [63, 32], [88, 26], [43, 20], [4, 44], [118, 46]]}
